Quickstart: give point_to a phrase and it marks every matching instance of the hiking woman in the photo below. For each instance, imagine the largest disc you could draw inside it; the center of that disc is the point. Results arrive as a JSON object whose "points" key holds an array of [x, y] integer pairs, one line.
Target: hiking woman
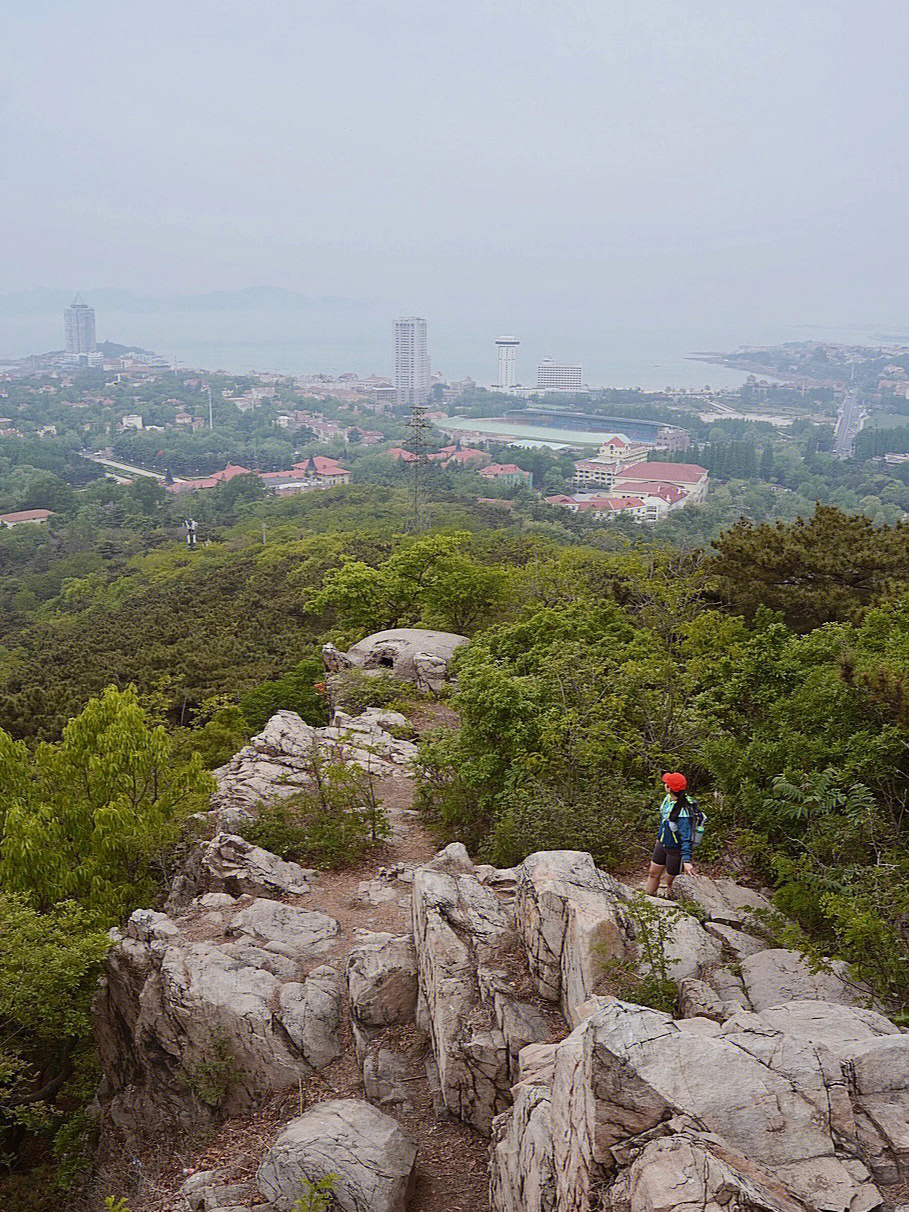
{"points": [[672, 852]]}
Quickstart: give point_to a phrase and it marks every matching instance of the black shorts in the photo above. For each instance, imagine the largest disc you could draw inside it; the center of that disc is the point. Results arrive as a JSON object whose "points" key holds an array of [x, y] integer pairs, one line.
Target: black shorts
{"points": [[670, 859]]}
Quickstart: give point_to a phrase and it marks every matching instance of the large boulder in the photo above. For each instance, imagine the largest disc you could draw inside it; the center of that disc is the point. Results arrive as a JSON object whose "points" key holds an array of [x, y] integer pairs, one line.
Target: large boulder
{"points": [[207, 1013], [409, 653], [722, 900], [382, 980], [367, 1150], [776, 976], [694, 1171], [571, 919], [230, 864], [310, 1012]]}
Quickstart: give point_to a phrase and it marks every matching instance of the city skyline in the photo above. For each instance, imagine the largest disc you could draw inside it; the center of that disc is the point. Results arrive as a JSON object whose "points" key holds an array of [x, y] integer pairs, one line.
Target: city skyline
{"points": [[622, 164]]}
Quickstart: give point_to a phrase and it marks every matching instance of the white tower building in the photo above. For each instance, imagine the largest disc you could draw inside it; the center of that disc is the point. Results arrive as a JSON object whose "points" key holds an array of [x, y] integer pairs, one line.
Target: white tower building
{"points": [[411, 361], [79, 328], [507, 347], [559, 376]]}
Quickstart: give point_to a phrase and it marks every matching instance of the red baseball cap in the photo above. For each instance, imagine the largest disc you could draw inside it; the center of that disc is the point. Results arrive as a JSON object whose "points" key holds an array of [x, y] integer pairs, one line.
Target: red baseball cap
{"points": [[675, 781]]}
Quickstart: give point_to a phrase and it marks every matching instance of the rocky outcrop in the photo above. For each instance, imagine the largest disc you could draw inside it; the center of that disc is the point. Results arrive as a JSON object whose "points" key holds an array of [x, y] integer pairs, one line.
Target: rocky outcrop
{"points": [[802, 1106], [368, 1152], [466, 946], [575, 922], [278, 762], [230, 864], [413, 654], [213, 1011], [777, 1089]]}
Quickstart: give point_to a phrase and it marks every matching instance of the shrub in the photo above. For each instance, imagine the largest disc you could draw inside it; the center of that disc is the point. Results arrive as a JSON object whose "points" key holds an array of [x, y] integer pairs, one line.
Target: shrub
{"points": [[354, 691], [646, 981], [328, 825], [317, 1196], [294, 690]]}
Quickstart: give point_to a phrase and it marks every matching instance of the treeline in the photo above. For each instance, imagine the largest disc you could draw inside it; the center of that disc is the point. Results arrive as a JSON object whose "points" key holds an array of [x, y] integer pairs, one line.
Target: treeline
{"points": [[772, 667]]}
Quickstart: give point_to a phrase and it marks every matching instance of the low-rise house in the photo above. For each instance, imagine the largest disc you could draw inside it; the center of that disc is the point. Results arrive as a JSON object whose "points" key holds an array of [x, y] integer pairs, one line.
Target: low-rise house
{"points": [[212, 481], [505, 473], [469, 457], [23, 517], [315, 472]]}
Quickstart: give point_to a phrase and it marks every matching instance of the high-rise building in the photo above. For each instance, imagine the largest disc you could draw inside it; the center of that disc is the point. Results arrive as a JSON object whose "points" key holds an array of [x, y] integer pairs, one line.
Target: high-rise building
{"points": [[411, 361], [507, 347], [79, 328], [557, 376]]}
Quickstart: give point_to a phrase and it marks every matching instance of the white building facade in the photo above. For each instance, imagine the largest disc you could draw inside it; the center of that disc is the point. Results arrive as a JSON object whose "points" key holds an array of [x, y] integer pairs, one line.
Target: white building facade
{"points": [[559, 376], [507, 347], [412, 372]]}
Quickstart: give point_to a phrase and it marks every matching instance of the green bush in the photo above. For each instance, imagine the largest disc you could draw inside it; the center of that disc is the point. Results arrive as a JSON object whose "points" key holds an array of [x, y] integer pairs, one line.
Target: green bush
{"points": [[354, 691], [317, 1196], [294, 690], [331, 824], [646, 981]]}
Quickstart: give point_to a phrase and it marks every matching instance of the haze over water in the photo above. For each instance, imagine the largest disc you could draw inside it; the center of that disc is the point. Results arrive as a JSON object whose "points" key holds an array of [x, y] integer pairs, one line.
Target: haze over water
{"points": [[336, 338], [617, 185]]}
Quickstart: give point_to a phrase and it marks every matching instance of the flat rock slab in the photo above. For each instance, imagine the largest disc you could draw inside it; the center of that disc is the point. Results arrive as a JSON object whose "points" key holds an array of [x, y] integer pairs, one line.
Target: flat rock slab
{"points": [[777, 976], [721, 900], [285, 929], [366, 1149]]}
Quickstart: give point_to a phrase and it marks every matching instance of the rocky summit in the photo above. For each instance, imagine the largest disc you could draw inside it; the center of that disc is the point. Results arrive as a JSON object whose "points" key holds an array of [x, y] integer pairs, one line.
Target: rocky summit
{"points": [[440, 1000]]}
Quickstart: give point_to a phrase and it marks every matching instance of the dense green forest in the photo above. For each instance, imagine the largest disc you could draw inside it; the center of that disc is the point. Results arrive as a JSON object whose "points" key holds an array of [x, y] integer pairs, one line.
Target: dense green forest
{"points": [[769, 661]]}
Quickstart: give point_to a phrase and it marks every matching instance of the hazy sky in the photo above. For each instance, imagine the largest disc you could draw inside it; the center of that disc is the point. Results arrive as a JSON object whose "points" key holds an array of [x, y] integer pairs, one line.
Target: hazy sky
{"points": [[628, 158]]}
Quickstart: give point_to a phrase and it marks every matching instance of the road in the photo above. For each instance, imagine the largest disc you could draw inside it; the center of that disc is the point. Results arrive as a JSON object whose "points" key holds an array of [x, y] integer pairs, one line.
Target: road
{"points": [[136, 471], [848, 424]]}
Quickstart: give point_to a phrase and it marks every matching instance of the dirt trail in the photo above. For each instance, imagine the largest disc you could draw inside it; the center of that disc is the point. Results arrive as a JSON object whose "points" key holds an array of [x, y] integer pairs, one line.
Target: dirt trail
{"points": [[452, 1159]]}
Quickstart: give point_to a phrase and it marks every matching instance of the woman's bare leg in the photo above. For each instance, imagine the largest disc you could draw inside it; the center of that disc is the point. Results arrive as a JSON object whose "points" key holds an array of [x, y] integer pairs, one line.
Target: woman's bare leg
{"points": [[654, 875]]}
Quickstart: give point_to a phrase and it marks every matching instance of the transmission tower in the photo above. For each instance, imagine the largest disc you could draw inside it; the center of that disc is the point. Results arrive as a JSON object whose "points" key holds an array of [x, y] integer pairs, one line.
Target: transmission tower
{"points": [[419, 427]]}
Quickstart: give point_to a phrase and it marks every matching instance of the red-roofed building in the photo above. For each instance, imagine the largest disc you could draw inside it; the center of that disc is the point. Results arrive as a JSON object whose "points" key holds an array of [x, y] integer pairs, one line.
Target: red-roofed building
{"points": [[323, 471], [23, 516], [230, 472], [604, 508], [469, 457], [595, 473], [505, 473], [616, 452], [401, 455], [688, 477]]}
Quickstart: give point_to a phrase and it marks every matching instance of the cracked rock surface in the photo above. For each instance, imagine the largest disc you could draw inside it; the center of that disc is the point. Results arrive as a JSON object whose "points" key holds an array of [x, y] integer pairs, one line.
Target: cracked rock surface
{"points": [[365, 1148]]}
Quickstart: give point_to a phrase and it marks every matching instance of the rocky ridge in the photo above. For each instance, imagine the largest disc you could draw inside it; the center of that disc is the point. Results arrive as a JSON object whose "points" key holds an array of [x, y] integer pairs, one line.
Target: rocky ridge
{"points": [[435, 996]]}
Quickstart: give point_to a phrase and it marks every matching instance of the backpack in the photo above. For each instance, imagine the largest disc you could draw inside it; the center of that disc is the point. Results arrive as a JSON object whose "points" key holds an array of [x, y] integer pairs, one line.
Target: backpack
{"points": [[697, 817]]}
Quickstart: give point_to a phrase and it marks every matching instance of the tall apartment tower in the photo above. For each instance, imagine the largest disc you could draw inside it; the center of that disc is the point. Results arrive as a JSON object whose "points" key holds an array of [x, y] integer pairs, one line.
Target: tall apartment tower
{"points": [[411, 361], [507, 347], [559, 376], [79, 328]]}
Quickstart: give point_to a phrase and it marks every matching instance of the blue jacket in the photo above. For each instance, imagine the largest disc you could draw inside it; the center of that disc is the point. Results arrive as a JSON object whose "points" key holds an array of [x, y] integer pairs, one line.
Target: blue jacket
{"points": [[678, 834]]}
